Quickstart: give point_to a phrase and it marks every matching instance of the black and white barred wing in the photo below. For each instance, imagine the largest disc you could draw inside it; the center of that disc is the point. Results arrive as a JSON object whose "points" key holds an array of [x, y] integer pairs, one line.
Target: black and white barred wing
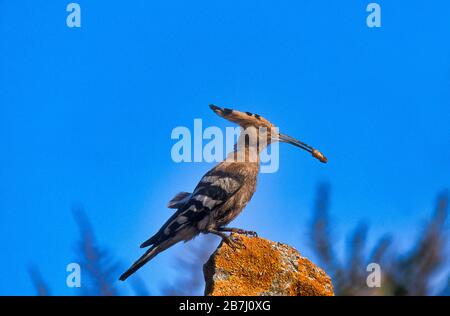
{"points": [[214, 189]]}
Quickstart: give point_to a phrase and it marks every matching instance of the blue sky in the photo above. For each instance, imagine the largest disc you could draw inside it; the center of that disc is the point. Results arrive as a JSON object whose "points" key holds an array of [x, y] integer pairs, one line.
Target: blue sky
{"points": [[86, 117]]}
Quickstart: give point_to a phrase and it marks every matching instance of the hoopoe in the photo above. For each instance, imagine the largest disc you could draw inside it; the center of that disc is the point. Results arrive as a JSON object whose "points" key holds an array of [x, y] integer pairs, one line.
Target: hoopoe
{"points": [[223, 192]]}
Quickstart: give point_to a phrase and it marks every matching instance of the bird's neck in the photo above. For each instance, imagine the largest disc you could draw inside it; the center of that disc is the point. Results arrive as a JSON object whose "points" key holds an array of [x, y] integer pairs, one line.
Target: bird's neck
{"points": [[247, 153]]}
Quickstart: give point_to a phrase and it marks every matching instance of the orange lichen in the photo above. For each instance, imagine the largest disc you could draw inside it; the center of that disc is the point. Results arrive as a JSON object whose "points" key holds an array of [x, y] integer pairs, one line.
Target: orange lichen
{"points": [[262, 267]]}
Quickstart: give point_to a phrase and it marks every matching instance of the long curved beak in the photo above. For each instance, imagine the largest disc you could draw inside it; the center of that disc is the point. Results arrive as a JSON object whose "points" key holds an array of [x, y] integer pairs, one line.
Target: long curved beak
{"points": [[314, 152]]}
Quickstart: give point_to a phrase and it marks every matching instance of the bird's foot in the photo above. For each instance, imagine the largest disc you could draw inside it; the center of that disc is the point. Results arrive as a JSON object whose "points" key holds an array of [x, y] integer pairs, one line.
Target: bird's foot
{"points": [[234, 242], [240, 231], [250, 233]]}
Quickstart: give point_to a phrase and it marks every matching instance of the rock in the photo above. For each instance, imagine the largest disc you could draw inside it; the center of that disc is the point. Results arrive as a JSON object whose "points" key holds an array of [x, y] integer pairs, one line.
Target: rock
{"points": [[263, 268]]}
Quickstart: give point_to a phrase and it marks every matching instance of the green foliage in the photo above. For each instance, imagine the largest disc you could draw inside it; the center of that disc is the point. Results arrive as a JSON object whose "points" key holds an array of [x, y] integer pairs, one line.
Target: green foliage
{"points": [[409, 273]]}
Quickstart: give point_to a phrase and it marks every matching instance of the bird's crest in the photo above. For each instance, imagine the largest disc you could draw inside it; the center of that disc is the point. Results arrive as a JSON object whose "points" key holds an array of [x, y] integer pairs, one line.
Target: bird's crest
{"points": [[243, 119]]}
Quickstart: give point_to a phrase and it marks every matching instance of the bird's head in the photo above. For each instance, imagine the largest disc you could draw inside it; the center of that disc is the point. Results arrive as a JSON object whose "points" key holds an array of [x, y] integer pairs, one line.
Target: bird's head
{"points": [[257, 126]]}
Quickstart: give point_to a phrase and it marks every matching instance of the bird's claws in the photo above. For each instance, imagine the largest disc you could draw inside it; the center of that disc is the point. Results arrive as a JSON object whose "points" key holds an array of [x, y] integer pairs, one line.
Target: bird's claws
{"points": [[234, 242], [250, 233]]}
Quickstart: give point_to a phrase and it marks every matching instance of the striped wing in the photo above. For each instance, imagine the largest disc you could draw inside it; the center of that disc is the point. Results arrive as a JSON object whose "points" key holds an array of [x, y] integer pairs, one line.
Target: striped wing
{"points": [[214, 189]]}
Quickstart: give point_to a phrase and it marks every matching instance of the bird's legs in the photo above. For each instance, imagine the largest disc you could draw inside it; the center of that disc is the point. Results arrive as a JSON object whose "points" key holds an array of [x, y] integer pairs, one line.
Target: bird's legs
{"points": [[238, 231], [232, 242]]}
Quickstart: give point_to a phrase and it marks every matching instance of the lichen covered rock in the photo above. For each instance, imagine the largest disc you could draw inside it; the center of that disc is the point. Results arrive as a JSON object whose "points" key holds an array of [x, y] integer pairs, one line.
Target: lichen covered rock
{"points": [[263, 268]]}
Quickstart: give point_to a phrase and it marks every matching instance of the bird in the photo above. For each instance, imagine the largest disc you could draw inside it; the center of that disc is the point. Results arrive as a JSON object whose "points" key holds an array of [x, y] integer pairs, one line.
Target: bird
{"points": [[223, 192]]}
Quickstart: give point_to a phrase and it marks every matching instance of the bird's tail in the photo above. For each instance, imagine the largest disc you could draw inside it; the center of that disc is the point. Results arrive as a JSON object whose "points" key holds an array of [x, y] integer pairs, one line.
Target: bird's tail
{"points": [[148, 255]]}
